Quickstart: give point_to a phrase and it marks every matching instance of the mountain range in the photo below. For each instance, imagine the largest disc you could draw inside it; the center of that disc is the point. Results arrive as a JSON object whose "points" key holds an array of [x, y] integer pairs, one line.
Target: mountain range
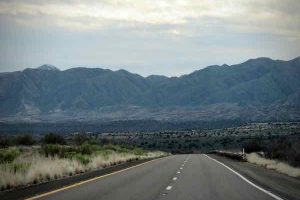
{"points": [[259, 89]]}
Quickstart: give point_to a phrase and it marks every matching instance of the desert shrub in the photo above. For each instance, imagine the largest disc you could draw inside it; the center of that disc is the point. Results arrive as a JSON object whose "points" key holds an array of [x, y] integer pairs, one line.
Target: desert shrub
{"points": [[56, 150], [125, 149], [252, 146], [79, 139], [296, 160], [294, 153], [64, 151], [278, 149], [8, 155], [52, 138], [274, 164], [105, 141], [115, 148], [4, 142], [52, 161], [138, 151], [84, 160], [87, 148], [284, 149], [26, 140], [18, 167]]}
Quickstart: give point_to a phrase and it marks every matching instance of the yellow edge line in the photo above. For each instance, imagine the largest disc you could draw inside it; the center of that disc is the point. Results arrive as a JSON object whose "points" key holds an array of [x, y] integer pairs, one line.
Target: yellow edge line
{"points": [[90, 180]]}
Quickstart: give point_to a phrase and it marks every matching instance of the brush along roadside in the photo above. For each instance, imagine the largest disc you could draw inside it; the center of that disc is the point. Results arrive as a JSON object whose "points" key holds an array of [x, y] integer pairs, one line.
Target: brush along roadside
{"points": [[276, 165], [258, 159], [233, 155], [39, 164]]}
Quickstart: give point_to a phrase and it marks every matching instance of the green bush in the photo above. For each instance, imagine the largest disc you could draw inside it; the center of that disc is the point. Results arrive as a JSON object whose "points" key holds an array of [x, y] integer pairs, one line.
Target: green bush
{"points": [[252, 146], [5, 141], [56, 150], [79, 139], [117, 148], [87, 149], [105, 141], [26, 140], [285, 149], [82, 159], [139, 151], [64, 151], [8, 155], [52, 138], [18, 167]]}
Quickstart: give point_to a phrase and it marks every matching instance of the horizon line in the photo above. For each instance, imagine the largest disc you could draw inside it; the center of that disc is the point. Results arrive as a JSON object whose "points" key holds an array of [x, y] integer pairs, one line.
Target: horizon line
{"points": [[122, 69]]}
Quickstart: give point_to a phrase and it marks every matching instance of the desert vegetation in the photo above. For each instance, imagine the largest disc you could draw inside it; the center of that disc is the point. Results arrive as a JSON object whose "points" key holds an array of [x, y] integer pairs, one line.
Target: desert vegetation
{"points": [[285, 149], [281, 155], [54, 157], [273, 164], [27, 159], [206, 140], [276, 141]]}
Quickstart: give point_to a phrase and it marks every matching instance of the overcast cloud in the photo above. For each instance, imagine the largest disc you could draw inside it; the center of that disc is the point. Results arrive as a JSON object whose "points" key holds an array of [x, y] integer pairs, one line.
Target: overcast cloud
{"points": [[146, 37]]}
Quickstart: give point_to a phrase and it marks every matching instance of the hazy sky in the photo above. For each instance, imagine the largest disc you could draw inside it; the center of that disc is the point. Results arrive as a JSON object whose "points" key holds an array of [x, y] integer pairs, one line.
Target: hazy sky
{"points": [[169, 37]]}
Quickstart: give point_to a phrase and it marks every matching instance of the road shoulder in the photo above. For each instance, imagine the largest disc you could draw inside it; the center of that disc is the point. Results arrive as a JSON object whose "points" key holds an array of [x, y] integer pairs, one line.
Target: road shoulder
{"points": [[277, 183]]}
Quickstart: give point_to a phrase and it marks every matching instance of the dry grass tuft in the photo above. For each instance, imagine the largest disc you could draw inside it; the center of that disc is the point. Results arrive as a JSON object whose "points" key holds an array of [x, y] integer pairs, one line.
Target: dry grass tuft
{"points": [[273, 164]]}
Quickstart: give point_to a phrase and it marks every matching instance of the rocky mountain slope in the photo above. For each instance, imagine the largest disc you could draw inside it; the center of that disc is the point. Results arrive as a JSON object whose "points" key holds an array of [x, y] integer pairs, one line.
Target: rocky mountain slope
{"points": [[258, 89]]}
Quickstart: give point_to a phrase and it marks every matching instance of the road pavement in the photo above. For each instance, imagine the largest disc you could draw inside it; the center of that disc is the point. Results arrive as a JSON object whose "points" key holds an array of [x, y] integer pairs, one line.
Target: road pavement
{"points": [[184, 177]]}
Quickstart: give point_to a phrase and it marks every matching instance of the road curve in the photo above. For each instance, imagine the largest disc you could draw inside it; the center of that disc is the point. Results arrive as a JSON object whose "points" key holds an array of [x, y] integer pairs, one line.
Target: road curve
{"points": [[181, 177]]}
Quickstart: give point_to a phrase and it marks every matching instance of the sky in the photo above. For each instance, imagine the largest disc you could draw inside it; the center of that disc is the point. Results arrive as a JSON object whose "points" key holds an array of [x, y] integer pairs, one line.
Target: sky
{"points": [[165, 37]]}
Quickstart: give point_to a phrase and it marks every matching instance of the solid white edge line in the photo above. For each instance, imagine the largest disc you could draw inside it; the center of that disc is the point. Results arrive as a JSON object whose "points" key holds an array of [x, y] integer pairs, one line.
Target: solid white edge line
{"points": [[242, 177]]}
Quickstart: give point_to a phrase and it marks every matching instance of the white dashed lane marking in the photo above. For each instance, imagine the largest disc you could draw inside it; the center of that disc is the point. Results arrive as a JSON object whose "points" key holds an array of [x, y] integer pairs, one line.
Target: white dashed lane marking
{"points": [[175, 178], [169, 187]]}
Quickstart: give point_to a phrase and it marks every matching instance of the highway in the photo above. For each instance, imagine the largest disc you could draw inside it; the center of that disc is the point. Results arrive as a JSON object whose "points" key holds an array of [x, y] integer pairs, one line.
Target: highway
{"points": [[184, 177]]}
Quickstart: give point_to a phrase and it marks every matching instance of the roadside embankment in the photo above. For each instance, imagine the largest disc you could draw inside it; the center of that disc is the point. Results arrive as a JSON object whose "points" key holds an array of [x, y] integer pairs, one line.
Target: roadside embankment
{"points": [[230, 154], [25, 166], [273, 164], [257, 159]]}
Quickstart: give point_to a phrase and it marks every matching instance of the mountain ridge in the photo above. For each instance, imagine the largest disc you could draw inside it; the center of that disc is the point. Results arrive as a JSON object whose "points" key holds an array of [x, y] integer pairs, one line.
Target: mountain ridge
{"points": [[264, 88]]}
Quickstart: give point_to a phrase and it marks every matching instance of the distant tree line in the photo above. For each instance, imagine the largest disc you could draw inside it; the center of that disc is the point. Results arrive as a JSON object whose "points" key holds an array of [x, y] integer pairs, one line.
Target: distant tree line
{"points": [[115, 126]]}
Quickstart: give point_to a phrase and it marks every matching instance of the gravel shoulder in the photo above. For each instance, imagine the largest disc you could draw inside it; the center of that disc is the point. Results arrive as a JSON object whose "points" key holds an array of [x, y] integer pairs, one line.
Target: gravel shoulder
{"points": [[285, 186]]}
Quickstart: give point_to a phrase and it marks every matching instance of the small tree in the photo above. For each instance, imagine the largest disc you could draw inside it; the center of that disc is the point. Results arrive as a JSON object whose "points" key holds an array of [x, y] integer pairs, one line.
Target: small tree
{"points": [[52, 138], [105, 141], [252, 146], [26, 140], [79, 139], [4, 142]]}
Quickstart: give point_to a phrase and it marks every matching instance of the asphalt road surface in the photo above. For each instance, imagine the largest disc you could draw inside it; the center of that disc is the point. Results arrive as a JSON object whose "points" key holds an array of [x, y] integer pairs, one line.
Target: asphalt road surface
{"points": [[183, 177]]}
